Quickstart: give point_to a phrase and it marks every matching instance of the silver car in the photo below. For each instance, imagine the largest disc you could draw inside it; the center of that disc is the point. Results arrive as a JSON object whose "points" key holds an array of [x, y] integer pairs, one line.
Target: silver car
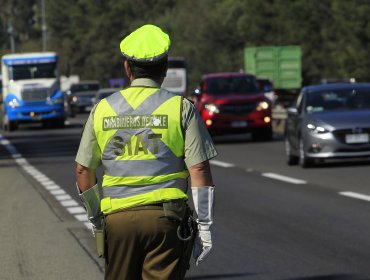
{"points": [[328, 121]]}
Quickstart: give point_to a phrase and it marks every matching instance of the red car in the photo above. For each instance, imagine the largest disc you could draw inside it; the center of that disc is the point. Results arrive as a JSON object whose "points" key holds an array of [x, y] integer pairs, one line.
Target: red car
{"points": [[233, 103]]}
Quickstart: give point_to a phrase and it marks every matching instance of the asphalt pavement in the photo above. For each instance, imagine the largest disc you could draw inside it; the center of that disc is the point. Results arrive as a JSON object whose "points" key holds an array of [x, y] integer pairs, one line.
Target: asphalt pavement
{"points": [[39, 239], [272, 221]]}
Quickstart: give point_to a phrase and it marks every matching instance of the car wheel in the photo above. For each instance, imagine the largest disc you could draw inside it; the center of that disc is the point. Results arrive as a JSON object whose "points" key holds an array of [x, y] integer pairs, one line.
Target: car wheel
{"points": [[70, 112], [304, 161], [291, 159]]}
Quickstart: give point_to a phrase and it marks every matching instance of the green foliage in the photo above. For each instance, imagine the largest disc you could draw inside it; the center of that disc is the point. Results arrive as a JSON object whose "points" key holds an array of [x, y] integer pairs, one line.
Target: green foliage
{"points": [[334, 34]]}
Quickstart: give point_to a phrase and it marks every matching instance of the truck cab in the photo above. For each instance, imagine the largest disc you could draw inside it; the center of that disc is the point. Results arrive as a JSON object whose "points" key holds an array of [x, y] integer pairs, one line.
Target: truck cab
{"points": [[31, 90], [176, 76]]}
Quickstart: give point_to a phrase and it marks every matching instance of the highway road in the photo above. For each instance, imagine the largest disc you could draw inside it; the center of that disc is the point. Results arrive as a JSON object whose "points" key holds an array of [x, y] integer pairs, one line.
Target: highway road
{"points": [[272, 221]]}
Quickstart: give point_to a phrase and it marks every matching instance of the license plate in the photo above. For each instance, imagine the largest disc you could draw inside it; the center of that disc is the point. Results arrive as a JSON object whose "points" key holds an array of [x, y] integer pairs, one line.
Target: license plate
{"points": [[357, 138], [88, 108], [239, 124]]}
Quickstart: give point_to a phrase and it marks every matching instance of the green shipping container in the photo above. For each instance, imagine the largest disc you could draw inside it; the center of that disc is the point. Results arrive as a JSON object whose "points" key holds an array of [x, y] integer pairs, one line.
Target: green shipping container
{"points": [[280, 64]]}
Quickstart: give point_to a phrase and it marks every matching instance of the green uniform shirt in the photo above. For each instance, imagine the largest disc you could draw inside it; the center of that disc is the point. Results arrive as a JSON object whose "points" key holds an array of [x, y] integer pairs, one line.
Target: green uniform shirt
{"points": [[199, 146]]}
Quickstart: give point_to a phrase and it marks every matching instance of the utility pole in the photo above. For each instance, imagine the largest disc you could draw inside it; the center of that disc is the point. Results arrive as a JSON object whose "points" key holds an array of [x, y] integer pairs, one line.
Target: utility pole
{"points": [[44, 29]]}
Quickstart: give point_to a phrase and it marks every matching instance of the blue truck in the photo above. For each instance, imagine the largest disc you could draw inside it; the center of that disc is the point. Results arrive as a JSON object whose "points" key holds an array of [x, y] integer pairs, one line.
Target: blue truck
{"points": [[31, 90]]}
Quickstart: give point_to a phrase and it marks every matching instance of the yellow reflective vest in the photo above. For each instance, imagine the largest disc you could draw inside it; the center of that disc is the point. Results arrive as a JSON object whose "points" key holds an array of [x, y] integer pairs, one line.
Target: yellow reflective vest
{"points": [[139, 133]]}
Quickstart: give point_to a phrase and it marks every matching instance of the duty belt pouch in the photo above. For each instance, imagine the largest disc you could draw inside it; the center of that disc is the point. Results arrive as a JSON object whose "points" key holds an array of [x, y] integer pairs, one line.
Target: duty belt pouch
{"points": [[100, 239], [175, 209]]}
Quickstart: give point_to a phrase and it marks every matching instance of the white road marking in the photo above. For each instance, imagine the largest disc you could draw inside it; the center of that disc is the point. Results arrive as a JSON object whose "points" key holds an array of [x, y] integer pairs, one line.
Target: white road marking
{"points": [[356, 195], [221, 163], [52, 186], [59, 194], [63, 197], [77, 210], [69, 203], [81, 217], [284, 178], [80, 213]]}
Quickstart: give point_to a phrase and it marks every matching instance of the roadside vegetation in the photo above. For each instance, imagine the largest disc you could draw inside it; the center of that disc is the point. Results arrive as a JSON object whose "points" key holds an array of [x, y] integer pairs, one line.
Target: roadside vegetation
{"points": [[334, 34]]}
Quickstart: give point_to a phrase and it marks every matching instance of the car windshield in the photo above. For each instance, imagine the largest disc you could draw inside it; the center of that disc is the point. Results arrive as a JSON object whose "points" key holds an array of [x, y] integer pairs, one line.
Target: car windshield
{"points": [[227, 85], [84, 87], [338, 100], [33, 71]]}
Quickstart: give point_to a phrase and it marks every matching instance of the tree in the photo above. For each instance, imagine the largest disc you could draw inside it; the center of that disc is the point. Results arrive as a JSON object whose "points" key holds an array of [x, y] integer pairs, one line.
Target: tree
{"points": [[334, 34]]}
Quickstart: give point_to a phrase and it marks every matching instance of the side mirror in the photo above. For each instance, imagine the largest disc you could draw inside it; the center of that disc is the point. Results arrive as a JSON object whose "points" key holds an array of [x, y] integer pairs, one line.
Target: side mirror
{"points": [[197, 92], [267, 88], [195, 96], [292, 111]]}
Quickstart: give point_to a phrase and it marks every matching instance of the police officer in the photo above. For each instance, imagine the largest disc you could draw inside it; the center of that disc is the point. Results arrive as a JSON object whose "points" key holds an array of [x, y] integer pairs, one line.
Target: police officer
{"points": [[148, 141]]}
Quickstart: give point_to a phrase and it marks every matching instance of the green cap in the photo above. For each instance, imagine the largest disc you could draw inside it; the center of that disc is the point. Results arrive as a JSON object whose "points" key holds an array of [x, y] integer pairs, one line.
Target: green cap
{"points": [[146, 44]]}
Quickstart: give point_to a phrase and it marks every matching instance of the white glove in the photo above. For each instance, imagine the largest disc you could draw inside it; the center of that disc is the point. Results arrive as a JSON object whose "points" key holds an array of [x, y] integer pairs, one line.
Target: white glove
{"points": [[91, 201], [202, 244], [203, 198]]}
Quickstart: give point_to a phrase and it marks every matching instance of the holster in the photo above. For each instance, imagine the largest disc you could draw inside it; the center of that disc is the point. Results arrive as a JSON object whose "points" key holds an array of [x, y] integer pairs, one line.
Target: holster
{"points": [[180, 211], [100, 238], [175, 209]]}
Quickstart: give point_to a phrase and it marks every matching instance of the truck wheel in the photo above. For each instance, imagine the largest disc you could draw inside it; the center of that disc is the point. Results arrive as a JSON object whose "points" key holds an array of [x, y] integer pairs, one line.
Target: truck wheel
{"points": [[8, 125], [2, 117]]}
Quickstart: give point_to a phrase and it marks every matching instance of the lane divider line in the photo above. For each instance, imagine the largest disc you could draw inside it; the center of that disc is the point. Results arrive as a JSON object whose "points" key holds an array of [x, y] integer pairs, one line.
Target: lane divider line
{"points": [[221, 163], [284, 178], [356, 195], [71, 205]]}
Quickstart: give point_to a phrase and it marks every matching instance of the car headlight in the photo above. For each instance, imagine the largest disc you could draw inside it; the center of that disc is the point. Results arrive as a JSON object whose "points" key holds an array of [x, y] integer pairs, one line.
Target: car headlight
{"points": [[74, 99], [13, 103], [212, 108], [317, 129], [263, 105]]}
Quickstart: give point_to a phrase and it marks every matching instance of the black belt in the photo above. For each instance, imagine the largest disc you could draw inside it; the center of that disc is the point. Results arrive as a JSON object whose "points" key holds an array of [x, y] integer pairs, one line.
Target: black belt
{"points": [[145, 207]]}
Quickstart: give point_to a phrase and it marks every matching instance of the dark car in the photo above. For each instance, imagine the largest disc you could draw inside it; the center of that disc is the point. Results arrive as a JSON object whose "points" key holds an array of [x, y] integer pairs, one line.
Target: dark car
{"points": [[103, 93], [81, 96], [233, 103], [329, 121]]}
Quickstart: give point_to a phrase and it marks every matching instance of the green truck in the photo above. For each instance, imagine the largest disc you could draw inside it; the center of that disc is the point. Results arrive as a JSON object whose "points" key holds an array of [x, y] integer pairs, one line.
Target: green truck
{"points": [[280, 64]]}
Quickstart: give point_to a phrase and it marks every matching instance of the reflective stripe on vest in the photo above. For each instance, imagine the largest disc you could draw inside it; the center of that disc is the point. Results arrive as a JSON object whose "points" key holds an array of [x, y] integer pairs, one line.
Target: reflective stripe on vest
{"points": [[127, 191], [142, 148], [109, 205]]}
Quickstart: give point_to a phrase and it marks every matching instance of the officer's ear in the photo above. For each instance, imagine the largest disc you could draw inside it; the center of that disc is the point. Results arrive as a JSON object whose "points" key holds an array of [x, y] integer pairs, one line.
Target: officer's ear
{"points": [[128, 70]]}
